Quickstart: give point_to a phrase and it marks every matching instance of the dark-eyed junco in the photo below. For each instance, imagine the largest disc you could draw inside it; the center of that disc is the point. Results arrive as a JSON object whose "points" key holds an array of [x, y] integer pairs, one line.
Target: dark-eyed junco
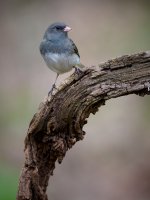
{"points": [[58, 50]]}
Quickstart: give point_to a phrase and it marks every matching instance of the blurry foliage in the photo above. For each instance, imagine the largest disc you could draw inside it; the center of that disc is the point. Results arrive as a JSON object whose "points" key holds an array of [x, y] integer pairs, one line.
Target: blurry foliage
{"points": [[8, 182]]}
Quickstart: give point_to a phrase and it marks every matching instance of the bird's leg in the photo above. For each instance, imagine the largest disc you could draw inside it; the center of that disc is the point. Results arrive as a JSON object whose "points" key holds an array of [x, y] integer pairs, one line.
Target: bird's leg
{"points": [[53, 86]]}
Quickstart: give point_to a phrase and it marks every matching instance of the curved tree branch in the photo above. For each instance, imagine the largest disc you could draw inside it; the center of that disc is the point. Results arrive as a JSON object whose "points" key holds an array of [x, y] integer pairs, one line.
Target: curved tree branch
{"points": [[58, 124]]}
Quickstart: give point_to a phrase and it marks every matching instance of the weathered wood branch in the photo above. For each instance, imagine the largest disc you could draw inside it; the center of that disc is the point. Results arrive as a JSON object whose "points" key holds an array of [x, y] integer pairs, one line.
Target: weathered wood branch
{"points": [[58, 124]]}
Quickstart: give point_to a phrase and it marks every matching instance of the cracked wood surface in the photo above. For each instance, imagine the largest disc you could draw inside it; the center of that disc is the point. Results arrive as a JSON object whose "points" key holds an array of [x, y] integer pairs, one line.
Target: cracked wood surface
{"points": [[58, 124]]}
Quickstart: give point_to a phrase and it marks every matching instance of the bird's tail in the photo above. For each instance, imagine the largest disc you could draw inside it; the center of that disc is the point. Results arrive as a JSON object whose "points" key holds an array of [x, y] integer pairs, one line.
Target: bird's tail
{"points": [[80, 65]]}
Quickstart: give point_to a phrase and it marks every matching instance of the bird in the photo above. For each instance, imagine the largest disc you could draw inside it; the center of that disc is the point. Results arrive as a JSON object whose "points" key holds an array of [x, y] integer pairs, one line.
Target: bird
{"points": [[59, 51]]}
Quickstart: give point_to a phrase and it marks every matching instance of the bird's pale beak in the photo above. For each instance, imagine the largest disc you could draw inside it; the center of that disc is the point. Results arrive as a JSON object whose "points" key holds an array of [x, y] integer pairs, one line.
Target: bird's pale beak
{"points": [[67, 29]]}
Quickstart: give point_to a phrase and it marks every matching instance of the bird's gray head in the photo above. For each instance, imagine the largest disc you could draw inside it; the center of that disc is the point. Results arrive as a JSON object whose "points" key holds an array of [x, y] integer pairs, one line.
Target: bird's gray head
{"points": [[56, 30]]}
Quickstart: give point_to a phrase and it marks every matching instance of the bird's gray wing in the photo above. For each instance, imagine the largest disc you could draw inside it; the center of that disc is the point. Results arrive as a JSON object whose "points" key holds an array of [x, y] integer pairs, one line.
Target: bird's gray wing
{"points": [[75, 50]]}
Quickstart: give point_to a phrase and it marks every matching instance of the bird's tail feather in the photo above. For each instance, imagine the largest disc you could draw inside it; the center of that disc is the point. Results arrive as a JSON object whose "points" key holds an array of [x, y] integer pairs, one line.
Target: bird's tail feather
{"points": [[80, 65]]}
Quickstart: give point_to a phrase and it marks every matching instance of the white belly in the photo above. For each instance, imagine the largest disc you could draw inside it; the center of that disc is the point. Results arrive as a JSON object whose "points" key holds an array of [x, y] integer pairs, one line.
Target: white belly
{"points": [[60, 63]]}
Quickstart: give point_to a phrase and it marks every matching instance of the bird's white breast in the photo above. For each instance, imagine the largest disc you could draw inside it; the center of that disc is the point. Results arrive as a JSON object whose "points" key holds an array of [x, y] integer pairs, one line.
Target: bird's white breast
{"points": [[61, 63]]}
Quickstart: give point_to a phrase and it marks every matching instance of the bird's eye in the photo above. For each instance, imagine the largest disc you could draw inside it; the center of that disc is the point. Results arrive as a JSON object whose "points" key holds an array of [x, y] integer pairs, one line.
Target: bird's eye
{"points": [[58, 28]]}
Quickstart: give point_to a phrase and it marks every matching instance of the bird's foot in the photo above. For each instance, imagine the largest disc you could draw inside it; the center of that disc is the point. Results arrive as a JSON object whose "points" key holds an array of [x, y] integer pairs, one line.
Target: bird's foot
{"points": [[78, 71]]}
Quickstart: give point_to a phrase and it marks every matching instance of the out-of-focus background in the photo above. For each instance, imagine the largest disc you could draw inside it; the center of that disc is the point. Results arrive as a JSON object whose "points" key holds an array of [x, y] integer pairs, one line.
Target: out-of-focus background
{"points": [[112, 162]]}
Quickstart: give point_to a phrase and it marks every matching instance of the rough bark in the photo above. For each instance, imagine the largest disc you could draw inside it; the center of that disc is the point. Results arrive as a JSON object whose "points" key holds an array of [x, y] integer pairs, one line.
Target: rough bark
{"points": [[58, 124]]}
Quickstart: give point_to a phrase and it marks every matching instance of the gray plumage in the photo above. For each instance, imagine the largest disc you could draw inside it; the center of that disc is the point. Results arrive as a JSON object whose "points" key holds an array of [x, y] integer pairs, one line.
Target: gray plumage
{"points": [[59, 51]]}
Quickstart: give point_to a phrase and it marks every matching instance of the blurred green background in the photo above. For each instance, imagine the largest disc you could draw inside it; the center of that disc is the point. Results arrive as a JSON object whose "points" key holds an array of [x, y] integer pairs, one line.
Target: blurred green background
{"points": [[112, 162]]}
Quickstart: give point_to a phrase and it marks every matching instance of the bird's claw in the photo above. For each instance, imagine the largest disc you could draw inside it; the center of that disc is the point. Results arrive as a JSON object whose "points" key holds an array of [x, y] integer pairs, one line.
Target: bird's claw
{"points": [[78, 71]]}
